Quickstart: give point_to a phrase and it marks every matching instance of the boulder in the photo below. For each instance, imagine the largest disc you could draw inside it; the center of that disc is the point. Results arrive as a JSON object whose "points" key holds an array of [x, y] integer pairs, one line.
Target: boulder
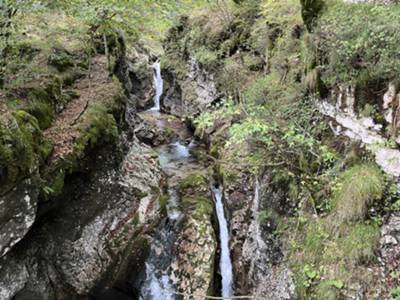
{"points": [[188, 95], [155, 129], [17, 214]]}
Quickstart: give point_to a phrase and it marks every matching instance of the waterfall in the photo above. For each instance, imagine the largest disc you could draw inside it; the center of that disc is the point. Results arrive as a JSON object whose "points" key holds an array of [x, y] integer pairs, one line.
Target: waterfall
{"points": [[225, 263], [157, 285], [158, 83]]}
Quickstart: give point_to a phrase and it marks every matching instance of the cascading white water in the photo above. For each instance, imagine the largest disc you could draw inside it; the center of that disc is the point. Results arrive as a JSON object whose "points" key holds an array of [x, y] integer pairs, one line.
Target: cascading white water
{"points": [[225, 263], [157, 284], [158, 82]]}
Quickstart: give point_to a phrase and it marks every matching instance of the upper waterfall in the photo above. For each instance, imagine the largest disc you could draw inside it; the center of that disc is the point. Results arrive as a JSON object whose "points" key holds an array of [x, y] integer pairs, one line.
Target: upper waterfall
{"points": [[158, 83]]}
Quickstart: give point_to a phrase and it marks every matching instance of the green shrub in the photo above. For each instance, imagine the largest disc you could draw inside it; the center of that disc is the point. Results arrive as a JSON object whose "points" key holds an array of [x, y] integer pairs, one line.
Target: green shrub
{"points": [[194, 181], [206, 58], [328, 290], [101, 128], [42, 111], [396, 293], [359, 40]]}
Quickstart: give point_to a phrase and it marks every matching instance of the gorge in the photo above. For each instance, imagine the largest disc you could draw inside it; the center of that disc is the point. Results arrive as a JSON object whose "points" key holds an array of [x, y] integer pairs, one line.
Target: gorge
{"points": [[198, 149]]}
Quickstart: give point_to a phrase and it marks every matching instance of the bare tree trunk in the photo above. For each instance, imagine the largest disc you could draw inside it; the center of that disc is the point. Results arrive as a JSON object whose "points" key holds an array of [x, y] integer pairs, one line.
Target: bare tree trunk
{"points": [[106, 51]]}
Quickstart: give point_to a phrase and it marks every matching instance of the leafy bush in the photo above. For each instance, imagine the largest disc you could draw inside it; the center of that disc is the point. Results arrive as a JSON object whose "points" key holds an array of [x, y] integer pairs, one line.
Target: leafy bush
{"points": [[207, 59], [359, 40]]}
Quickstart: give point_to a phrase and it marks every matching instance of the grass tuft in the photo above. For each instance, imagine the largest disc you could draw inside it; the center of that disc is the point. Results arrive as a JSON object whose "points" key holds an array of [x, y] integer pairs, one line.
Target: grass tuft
{"points": [[357, 188]]}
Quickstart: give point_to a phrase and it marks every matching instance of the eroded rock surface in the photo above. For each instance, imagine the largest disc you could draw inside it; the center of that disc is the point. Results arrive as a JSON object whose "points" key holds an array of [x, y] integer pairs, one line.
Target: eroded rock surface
{"points": [[156, 129], [358, 129], [390, 249], [193, 270], [190, 95], [17, 214], [83, 245]]}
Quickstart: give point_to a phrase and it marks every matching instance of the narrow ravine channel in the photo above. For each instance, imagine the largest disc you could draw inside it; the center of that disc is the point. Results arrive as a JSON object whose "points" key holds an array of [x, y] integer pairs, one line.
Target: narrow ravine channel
{"points": [[177, 160]]}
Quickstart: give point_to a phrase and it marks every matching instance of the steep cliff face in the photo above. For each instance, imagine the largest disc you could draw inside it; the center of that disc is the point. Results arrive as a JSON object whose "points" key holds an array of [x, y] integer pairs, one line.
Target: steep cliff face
{"points": [[194, 267], [114, 205], [79, 193], [191, 94]]}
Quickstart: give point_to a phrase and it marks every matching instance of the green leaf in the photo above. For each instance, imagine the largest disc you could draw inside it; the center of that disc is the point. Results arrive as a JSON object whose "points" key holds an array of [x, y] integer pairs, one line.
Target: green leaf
{"points": [[337, 283]]}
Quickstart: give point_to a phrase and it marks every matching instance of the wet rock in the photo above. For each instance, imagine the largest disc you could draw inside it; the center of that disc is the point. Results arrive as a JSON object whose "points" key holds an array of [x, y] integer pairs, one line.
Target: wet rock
{"points": [[83, 245], [61, 60], [258, 260], [17, 214], [190, 95], [194, 271], [196, 244], [134, 69], [171, 100], [155, 129]]}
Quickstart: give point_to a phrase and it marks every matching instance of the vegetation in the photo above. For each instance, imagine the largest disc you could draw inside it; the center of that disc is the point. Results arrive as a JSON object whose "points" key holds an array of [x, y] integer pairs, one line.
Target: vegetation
{"points": [[46, 47], [334, 247], [358, 43], [270, 59], [356, 189], [269, 62]]}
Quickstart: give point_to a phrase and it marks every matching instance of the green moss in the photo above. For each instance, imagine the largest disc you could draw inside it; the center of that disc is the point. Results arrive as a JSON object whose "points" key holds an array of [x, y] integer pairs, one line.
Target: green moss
{"points": [[71, 75], [61, 60], [169, 132], [42, 101], [22, 147], [197, 182], [42, 111], [102, 128], [198, 206]]}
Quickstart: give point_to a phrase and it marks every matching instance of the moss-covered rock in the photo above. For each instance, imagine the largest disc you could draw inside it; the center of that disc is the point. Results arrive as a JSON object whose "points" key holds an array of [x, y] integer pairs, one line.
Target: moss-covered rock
{"points": [[22, 147], [61, 60], [197, 240]]}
